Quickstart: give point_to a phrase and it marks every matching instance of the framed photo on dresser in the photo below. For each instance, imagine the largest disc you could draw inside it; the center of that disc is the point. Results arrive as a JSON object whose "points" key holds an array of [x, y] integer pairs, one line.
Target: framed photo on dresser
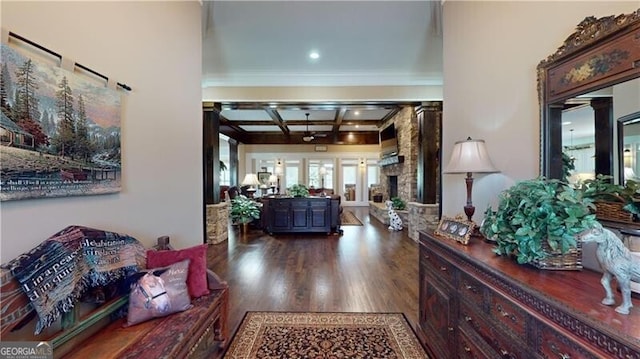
{"points": [[458, 229]]}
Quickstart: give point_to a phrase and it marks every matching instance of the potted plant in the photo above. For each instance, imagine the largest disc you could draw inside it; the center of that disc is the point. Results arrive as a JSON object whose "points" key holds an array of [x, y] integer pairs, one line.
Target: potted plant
{"points": [[537, 222], [613, 202], [398, 203], [568, 165], [244, 210], [299, 190]]}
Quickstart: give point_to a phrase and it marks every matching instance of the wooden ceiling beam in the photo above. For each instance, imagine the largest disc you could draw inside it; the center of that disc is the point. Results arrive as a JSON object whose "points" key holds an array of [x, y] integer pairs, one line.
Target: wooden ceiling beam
{"points": [[372, 122], [275, 116], [356, 138], [389, 116]]}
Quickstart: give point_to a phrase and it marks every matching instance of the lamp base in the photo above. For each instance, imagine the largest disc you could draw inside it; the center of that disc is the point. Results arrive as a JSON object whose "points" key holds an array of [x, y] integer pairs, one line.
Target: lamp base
{"points": [[251, 192]]}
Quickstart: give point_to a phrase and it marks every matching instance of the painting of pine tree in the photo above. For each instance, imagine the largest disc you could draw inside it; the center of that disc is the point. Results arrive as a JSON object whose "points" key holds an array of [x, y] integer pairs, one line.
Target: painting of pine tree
{"points": [[59, 130]]}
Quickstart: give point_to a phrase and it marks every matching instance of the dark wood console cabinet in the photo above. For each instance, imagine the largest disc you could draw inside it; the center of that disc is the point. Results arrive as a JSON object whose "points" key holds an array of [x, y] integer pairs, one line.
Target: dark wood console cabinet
{"points": [[292, 214], [475, 304]]}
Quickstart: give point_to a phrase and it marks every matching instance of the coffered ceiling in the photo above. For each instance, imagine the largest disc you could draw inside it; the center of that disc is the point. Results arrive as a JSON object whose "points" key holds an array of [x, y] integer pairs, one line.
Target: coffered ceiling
{"points": [[262, 44]]}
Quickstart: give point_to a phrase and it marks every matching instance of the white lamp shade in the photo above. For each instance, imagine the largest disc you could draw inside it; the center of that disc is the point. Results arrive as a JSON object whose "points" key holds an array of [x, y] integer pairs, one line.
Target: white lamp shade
{"points": [[250, 179], [273, 179], [470, 156], [323, 170]]}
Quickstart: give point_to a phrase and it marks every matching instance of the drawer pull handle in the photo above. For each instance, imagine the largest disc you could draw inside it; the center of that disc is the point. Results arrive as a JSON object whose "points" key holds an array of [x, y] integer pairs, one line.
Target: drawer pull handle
{"points": [[561, 355], [467, 349], [471, 288], [450, 329], [506, 314], [504, 353], [443, 268], [468, 318]]}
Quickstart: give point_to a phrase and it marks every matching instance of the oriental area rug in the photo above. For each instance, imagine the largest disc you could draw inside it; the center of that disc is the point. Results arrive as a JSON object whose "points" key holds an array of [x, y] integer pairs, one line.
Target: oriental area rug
{"points": [[347, 218], [270, 335]]}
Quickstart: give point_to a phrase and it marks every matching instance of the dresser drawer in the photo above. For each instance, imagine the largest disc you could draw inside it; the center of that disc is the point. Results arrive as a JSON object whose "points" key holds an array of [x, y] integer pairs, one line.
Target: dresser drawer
{"points": [[438, 266], [470, 347], [554, 345], [509, 314], [502, 343], [472, 290]]}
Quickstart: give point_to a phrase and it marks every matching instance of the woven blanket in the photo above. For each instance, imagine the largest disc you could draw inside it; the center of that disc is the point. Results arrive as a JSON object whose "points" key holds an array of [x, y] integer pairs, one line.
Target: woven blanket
{"points": [[57, 272]]}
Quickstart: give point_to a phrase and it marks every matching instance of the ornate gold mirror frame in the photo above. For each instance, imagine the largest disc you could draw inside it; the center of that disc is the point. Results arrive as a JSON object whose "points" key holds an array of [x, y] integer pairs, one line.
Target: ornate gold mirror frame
{"points": [[602, 52]]}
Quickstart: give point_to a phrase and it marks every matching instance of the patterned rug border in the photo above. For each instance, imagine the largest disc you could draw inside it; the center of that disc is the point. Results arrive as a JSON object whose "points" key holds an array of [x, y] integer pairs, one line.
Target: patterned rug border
{"points": [[409, 344], [351, 219]]}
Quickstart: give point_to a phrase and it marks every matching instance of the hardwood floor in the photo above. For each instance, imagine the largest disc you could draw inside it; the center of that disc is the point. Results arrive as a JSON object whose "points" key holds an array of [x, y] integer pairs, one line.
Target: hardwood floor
{"points": [[367, 269]]}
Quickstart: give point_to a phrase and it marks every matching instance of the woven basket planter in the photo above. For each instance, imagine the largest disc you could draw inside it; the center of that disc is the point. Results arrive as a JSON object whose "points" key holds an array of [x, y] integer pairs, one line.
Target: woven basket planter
{"points": [[555, 260], [612, 211]]}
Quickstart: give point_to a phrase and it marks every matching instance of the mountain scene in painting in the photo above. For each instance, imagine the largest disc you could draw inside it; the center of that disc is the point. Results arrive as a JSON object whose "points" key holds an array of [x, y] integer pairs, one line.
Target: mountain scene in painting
{"points": [[59, 130]]}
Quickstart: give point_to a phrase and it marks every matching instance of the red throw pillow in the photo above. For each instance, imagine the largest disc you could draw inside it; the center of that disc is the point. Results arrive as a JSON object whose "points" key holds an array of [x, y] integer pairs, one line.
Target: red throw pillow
{"points": [[197, 280]]}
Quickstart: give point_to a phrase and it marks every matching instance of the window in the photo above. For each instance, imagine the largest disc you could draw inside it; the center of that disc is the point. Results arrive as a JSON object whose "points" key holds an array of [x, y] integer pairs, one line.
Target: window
{"points": [[350, 179], [223, 150], [291, 173], [321, 173], [373, 171]]}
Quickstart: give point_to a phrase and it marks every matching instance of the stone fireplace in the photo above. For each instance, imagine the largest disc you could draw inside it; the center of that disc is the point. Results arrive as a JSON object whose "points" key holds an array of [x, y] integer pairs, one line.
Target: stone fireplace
{"points": [[399, 178], [392, 186]]}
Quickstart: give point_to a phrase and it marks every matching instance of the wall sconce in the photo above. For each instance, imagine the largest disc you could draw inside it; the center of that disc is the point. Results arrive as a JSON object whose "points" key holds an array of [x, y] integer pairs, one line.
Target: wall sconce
{"points": [[251, 180], [470, 156]]}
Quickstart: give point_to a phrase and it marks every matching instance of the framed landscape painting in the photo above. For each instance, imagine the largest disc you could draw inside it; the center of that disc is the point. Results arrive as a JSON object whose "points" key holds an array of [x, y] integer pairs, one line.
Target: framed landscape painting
{"points": [[59, 130], [263, 177]]}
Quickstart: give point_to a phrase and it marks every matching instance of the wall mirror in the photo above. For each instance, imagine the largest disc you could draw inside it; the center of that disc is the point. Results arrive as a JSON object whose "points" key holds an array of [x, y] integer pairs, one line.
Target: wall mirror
{"points": [[629, 146], [587, 89]]}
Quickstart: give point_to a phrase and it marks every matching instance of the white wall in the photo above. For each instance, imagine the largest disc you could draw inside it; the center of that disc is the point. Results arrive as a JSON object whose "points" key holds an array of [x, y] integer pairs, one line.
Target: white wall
{"points": [[324, 93], [491, 50], [154, 47]]}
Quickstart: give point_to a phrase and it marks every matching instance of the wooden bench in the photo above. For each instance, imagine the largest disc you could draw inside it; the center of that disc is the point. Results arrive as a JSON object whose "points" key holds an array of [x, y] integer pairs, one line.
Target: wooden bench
{"points": [[199, 332]]}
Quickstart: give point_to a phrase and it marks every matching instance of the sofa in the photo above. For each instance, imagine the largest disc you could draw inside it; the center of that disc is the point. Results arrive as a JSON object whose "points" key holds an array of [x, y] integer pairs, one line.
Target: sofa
{"points": [[91, 330]]}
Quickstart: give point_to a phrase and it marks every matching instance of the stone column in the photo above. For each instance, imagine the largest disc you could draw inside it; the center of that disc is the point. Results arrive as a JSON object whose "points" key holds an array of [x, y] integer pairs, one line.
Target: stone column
{"points": [[217, 222], [421, 217]]}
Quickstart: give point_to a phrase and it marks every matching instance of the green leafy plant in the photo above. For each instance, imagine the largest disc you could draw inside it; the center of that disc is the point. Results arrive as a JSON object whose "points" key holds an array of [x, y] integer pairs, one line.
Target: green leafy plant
{"points": [[538, 211], [398, 203], [299, 190], [602, 188], [244, 210], [568, 165]]}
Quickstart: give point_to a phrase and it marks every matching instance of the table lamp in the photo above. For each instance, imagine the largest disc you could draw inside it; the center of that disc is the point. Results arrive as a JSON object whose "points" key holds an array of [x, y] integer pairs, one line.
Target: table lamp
{"points": [[251, 180], [278, 174], [273, 179], [323, 172], [470, 156]]}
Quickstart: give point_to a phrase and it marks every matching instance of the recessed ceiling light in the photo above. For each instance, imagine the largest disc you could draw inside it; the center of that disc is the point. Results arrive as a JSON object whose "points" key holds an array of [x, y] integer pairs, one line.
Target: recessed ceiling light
{"points": [[356, 113], [566, 123], [314, 55]]}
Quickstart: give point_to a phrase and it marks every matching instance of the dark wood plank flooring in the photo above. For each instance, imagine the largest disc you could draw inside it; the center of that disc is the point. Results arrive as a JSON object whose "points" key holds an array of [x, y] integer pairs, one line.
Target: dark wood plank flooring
{"points": [[367, 269]]}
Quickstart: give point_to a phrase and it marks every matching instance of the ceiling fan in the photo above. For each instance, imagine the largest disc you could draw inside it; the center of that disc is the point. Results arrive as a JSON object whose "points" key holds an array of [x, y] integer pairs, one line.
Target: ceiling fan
{"points": [[310, 136]]}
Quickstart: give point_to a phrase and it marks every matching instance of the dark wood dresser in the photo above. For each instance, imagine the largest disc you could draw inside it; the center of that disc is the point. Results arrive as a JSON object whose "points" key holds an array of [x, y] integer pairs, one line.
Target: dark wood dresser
{"points": [[475, 304]]}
